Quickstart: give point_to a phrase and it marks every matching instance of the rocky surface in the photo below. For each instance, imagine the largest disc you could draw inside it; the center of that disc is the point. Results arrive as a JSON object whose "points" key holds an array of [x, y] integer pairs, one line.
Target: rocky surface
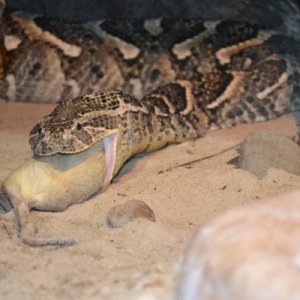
{"points": [[261, 151], [120, 215], [247, 253]]}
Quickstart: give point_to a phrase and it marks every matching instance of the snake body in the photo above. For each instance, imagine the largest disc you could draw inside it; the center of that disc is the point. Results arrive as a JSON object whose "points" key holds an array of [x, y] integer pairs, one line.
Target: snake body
{"points": [[175, 80]]}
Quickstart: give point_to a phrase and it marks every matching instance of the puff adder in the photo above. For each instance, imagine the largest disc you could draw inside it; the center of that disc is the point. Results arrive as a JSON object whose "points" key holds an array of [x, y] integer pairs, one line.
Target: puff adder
{"points": [[176, 79]]}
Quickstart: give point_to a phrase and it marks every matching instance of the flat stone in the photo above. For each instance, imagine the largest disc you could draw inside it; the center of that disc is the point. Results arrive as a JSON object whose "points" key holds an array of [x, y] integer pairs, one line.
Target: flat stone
{"points": [[261, 151], [246, 253], [120, 215]]}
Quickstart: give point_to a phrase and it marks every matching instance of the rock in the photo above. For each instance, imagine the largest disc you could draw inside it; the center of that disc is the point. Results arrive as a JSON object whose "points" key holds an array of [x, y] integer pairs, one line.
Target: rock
{"points": [[120, 215], [5, 204], [251, 252], [261, 151]]}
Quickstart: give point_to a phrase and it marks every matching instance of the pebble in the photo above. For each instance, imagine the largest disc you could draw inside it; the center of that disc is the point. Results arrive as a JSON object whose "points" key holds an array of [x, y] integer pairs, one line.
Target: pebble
{"points": [[261, 151], [120, 215], [5, 204]]}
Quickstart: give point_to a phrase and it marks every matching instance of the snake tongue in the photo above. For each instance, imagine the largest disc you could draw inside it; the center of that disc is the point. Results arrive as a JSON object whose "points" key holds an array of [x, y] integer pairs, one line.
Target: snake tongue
{"points": [[110, 150]]}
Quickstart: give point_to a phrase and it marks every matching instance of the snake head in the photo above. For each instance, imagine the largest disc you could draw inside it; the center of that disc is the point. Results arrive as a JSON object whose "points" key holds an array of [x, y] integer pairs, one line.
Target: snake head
{"points": [[70, 137], [76, 124]]}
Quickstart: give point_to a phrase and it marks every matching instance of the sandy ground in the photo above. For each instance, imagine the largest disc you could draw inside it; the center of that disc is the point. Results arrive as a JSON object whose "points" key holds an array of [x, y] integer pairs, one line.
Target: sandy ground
{"points": [[142, 259]]}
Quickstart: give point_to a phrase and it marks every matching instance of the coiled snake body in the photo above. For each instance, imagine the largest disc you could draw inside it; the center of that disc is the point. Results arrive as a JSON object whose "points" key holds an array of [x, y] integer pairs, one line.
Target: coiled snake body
{"points": [[175, 80]]}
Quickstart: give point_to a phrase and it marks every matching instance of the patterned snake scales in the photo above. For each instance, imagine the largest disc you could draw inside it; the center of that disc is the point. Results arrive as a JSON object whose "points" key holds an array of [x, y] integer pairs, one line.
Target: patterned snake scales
{"points": [[176, 80]]}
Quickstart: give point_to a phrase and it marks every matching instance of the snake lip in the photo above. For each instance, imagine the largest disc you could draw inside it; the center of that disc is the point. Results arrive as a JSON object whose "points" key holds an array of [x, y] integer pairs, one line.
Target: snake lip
{"points": [[42, 149]]}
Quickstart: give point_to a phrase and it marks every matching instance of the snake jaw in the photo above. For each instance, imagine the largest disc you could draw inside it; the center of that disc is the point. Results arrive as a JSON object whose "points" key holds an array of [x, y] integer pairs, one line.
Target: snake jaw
{"points": [[110, 150]]}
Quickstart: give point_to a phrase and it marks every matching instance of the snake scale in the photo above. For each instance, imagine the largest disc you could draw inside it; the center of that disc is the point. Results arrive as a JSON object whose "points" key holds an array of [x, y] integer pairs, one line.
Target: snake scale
{"points": [[142, 84]]}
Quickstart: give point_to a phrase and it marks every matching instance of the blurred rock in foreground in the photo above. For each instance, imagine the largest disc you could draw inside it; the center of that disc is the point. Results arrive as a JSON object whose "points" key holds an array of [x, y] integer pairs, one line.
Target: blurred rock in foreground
{"points": [[252, 252]]}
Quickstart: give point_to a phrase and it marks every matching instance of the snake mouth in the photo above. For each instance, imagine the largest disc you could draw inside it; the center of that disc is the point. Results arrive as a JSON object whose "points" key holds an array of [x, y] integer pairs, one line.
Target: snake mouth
{"points": [[44, 144], [68, 147], [43, 149]]}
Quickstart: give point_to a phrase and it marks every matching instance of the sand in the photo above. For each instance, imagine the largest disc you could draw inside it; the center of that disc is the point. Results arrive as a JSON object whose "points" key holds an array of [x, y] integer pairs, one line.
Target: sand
{"points": [[142, 259]]}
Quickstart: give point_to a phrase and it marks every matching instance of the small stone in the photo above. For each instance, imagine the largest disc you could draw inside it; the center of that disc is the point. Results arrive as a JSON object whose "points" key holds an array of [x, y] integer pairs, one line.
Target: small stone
{"points": [[120, 215], [252, 252], [5, 204], [261, 151]]}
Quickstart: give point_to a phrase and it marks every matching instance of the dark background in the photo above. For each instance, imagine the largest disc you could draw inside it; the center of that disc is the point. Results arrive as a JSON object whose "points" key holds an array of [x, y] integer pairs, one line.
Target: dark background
{"points": [[271, 11], [279, 14]]}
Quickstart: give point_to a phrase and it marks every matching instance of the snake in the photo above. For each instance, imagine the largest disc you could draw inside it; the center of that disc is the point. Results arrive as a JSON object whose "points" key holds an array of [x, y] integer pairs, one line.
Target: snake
{"points": [[122, 87]]}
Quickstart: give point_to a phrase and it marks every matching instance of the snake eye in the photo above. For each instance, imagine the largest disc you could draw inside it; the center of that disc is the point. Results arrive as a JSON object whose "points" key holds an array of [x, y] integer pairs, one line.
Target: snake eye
{"points": [[79, 126], [39, 131]]}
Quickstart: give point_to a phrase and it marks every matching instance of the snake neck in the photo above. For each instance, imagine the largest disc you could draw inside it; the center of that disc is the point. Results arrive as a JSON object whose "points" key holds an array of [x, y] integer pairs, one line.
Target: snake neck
{"points": [[185, 110]]}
